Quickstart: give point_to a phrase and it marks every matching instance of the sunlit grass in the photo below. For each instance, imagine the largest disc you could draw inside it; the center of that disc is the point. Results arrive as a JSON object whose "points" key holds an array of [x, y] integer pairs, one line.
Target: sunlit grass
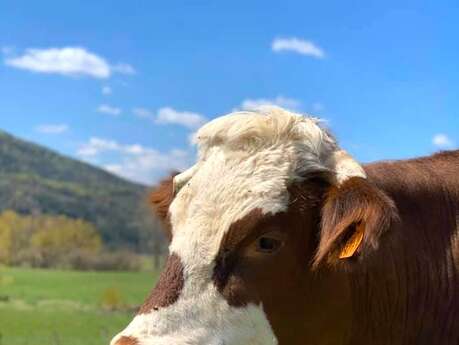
{"points": [[45, 307]]}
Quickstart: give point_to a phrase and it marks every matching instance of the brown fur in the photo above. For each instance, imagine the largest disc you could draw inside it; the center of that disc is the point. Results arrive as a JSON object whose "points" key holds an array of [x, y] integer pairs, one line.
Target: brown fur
{"points": [[160, 199], [402, 288], [356, 201], [299, 305], [408, 291], [127, 341], [238, 233], [168, 289]]}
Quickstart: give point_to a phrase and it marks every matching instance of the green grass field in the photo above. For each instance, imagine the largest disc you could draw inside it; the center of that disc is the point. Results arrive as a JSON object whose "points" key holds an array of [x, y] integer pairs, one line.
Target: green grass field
{"points": [[46, 307]]}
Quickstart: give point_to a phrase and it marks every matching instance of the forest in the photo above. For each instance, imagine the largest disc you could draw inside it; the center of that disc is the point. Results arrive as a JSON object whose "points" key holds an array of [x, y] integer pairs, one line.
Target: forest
{"points": [[44, 241]]}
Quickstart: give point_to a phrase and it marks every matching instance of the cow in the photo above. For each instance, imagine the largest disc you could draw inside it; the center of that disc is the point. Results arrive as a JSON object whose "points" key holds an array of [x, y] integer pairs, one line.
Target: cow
{"points": [[278, 236]]}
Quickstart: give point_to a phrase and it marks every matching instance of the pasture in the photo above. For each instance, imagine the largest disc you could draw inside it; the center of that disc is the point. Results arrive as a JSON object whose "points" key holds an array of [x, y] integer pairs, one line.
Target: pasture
{"points": [[49, 307]]}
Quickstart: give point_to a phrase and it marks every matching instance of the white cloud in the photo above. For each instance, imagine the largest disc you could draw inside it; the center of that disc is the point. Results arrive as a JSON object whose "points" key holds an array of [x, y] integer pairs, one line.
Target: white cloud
{"points": [[168, 115], [95, 146], [106, 90], [107, 109], [297, 45], [442, 140], [123, 68], [143, 113], [114, 168], [52, 128], [68, 61], [192, 138], [134, 162], [279, 101]]}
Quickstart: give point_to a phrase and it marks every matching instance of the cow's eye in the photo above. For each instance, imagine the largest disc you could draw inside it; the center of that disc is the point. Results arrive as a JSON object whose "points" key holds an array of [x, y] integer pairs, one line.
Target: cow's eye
{"points": [[268, 244]]}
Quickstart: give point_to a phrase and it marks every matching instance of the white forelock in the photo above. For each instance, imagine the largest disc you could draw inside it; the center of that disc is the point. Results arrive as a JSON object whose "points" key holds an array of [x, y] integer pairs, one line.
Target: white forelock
{"points": [[249, 132], [256, 131]]}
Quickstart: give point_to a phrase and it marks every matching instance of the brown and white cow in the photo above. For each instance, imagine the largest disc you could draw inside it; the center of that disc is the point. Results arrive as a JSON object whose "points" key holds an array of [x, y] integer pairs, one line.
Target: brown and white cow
{"points": [[280, 237]]}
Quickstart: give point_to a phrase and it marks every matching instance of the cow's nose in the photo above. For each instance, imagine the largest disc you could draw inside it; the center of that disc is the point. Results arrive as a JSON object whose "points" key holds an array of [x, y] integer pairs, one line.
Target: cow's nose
{"points": [[125, 341]]}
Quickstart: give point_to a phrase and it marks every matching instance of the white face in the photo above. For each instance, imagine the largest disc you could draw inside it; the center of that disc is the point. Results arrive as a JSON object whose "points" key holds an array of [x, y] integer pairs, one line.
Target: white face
{"points": [[233, 177], [199, 221]]}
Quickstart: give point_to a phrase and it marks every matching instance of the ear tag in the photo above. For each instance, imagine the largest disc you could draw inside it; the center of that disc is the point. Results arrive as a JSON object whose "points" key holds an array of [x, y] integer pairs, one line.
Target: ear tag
{"points": [[353, 243]]}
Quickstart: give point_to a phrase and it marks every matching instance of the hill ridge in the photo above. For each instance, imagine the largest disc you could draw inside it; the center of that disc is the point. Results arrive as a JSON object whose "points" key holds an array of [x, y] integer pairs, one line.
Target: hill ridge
{"points": [[35, 178]]}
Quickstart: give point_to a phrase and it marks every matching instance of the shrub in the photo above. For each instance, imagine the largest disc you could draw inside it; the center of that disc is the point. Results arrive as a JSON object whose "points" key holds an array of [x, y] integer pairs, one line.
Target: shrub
{"points": [[58, 242], [111, 299], [103, 261]]}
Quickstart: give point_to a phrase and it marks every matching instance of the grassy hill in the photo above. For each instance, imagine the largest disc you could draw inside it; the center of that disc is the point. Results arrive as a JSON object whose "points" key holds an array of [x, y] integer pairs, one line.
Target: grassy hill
{"points": [[36, 179]]}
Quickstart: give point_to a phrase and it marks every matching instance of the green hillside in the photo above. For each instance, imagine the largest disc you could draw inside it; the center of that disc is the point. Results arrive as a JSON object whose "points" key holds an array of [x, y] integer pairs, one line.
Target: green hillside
{"points": [[35, 179]]}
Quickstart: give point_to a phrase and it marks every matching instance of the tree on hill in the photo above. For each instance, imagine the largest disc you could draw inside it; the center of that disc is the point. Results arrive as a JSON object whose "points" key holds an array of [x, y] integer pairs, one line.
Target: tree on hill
{"points": [[44, 241]]}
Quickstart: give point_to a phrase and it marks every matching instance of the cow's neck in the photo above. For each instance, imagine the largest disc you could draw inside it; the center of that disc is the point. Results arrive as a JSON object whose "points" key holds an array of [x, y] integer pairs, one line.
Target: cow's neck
{"points": [[408, 291]]}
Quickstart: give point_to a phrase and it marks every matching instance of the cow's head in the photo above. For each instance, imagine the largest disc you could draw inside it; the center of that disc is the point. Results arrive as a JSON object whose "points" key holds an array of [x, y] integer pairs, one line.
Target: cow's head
{"points": [[260, 231]]}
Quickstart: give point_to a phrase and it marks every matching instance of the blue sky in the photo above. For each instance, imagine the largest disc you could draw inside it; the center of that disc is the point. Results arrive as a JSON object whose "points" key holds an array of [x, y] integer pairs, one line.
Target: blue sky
{"points": [[123, 84]]}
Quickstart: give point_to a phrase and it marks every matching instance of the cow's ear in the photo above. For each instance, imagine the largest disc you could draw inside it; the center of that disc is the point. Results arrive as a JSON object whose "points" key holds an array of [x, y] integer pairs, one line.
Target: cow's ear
{"points": [[160, 200], [354, 216]]}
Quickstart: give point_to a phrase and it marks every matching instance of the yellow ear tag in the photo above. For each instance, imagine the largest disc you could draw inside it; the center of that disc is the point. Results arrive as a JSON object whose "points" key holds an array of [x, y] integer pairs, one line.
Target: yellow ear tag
{"points": [[353, 243]]}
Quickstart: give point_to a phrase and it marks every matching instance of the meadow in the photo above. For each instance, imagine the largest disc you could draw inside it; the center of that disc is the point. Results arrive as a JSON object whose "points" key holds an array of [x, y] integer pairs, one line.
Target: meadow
{"points": [[51, 307]]}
